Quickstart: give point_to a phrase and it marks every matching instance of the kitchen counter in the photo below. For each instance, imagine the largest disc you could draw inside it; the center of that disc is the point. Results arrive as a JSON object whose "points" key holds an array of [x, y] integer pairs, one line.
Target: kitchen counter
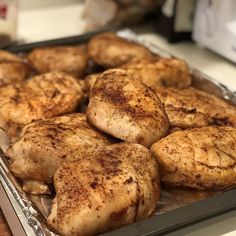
{"points": [[4, 229]]}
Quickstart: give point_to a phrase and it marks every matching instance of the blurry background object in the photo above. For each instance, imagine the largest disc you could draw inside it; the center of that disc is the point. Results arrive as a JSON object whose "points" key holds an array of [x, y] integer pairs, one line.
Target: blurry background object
{"points": [[41, 20], [176, 19], [215, 26], [8, 22], [100, 13]]}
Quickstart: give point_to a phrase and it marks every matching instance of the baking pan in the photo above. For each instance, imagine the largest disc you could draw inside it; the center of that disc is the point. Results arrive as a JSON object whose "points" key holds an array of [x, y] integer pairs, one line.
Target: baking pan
{"points": [[174, 210], [60, 41]]}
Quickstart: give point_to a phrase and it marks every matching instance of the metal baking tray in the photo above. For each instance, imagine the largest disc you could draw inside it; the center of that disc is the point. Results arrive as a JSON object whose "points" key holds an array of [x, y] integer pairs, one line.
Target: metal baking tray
{"points": [[176, 208]]}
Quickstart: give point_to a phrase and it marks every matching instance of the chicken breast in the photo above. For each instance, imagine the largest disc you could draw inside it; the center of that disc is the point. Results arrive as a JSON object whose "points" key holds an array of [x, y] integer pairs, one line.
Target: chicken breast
{"points": [[43, 145], [12, 68], [183, 118], [70, 59], [43, 96], [109, 50], [6, 56], [201, 158], [124, 107], [190, 107], [12, 72], [116, 186], [154, 72], [89, 81], [161, 72]]}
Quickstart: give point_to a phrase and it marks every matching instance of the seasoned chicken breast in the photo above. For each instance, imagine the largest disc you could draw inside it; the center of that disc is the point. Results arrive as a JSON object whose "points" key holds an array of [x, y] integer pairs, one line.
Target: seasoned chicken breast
{"points": [[109, 50], [6, 56], [183, 118], [116, 186], [43, 145], [154, 72], [190, 107], [43, 96], [161, 72], [13, 72], [201, 158], [89, 81], [124, 107], [70, 59], [12, 68]]}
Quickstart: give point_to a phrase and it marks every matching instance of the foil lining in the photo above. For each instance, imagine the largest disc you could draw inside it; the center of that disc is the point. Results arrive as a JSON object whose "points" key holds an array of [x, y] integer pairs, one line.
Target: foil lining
{"points": [[32, 210]]}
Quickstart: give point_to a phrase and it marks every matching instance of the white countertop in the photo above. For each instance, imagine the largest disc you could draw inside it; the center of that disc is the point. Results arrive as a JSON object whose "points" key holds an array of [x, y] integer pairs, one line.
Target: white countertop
{"points": [[54, 21]]}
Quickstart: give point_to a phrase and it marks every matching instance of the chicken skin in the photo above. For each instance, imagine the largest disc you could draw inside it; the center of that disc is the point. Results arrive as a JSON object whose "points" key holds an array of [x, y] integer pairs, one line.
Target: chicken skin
{"points": [[190, 107], [43, 145], [116, 186], [162, 72], [43, 96], [12, 69], [124, 107], [109, 50], [201, 158], [68, 59]]}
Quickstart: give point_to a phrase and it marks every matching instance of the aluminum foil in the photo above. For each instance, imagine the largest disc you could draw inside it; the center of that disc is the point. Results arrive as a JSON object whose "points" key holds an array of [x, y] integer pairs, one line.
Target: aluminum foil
{"points": [[32, 210]]}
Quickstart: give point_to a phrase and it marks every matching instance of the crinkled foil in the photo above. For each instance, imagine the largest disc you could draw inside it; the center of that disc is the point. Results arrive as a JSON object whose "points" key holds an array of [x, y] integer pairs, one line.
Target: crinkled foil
{"points": [[32, 210]]}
